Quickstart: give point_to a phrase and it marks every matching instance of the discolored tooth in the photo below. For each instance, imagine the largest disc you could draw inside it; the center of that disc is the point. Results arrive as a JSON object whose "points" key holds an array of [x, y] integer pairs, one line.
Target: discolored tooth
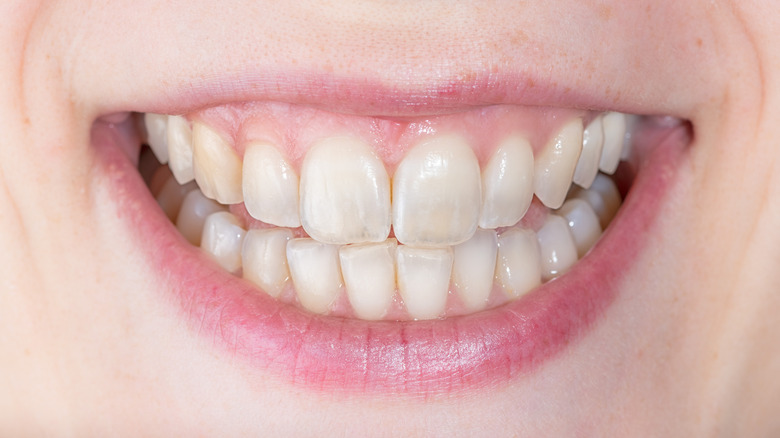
{"points": [[518, 267], [264, 256], [270, 186], [180, 149], [157, 135], [507, 184], [474, 267], [369, 276], [614, 136], [194, 210], [424, 279], [604, 197], [314, 267], [345, 193], [583, 224], [556, 247], [222, 240], [217, 166], [437, 193], [588, 164], [555, 164], [172, 195]]}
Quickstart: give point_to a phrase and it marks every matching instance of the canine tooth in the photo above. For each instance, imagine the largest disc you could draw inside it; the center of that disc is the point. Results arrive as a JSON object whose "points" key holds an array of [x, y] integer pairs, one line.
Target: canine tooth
{"points": [[314, 267], [270, 186], [423, 279], [554, 166], [556, 246], [194, 210], [614, 135], [507, 184], [369, 276], [345, 193], [583, 224], [604, 197], [222, 239], [217, 166], [518, 266], [588, 164], [172, 195], [437, 193], [180, 149], [474, 267], [264, 255], [157, 135]]}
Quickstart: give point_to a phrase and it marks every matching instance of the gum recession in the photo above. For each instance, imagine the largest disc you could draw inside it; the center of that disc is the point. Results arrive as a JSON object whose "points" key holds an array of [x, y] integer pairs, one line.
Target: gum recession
{"points": [[418, 359]]}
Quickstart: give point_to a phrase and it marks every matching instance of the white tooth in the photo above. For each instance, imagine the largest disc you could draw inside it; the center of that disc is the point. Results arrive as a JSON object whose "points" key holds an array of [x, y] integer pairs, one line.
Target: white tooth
{"points": [[614, 135], [423, 280], [604, 197], [507, 184], [314, 267], [518, 266], [157, 135], [369, 275], [555, 164], [345, 193], [194, 210], [264, 256], [222, 239], [180, 149], [172, 195], [437, 193], [583, 224], [217, 166], [474, 267], [588, 164], [270, 186], [628, 141], [556, 246]]}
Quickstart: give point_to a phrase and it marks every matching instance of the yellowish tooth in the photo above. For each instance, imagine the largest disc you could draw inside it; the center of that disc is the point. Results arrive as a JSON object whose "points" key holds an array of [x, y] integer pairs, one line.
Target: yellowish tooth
{"points": [[588, 164], [270, 186], [507, 184], [157, 135], [423, 280], [614, 136], [474, 267], [556, 247], [555, 163], [518, 267], [264, 255], [222, 240], [180, 149], [314, 267], [369, 275], [218, 169]]}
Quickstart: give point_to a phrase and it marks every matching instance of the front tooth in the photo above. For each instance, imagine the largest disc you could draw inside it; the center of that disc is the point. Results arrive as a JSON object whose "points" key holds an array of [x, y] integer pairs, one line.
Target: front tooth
{"points": [[518, 266], [345, 193], [437, 193], [507, 184], [614, 136], [556, 246], [369, 276], [474, 267], [588, 164], [314, 267], [604, 197], [172, 195], [180, 149], [157, 135], [264, 255], [194, 210], [583, 224], [217, 166], [270, 186], [555, 164], [423, 279], [222, 239]]}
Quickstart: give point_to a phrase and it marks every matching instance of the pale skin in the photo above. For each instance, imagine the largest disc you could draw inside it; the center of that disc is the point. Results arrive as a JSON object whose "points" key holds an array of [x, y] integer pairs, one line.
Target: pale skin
{"points": [[690, 347]]}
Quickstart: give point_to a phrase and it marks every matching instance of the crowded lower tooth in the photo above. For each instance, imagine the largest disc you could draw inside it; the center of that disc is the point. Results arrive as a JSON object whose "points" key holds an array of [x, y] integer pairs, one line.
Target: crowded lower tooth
{"points": [[473, 269], [264, 256], [588, 164], [222, 239], [172, 195], [180, 149], [583, 224], [424, 279], [216, 165], [507, 184], [157, 135], [192, 215], [614, 135], [556, 247], [270, 186], [369, 276], [314, 267], [555, 163], [518, 267]]}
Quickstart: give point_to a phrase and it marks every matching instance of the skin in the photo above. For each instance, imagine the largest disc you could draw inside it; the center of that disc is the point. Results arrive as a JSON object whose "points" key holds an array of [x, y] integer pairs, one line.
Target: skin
{"points": [[690, 347]]}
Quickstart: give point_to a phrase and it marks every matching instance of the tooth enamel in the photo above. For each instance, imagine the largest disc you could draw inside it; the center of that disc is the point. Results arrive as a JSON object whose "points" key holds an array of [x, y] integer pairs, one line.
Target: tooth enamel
{"points": [[554, 165], [314, 267], [270, 186], [222, 240], [172, 195], [437, 193], [157, 135], [180, 149], [604, 197], [345, 193], [588, 164], [614, 135], [264, 255], [507, 184], [474, 267], [583, 224], [423, 279], [556, 247], [217, 166], [194, 210], [369, 276], [518, 267]]}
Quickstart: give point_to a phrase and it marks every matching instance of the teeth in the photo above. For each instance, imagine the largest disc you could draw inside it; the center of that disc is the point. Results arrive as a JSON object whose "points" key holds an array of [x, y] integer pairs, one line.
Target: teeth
{"points": [[194, 210], [222, 239], [556, 246], [270, 186], [518, 266], [437, 194], [588, 164], [314, 267], [217, 166], [172, 195], [555, 164], [180, 149], [264, 254], [423, 280], [474, 267], [583, 224], [631, 122], [614, 136], [507, 184], [369, 275], [604, 197], [157, 135], [345, 193]]}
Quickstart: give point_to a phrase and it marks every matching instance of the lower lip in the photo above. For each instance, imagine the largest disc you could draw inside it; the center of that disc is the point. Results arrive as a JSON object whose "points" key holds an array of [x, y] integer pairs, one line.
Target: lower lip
{"points": [[417, 358]]}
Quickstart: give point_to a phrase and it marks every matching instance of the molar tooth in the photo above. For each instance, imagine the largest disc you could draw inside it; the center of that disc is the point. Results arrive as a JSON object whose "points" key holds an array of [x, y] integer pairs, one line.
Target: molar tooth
{"points": [[270, 186], [518, 267], [345, 193], [604, 197], [583, 224], [217, 166], [369, 275], [264, 255], [588, 164], [555, 164], [314, 267], [194, 210], [556, 246], [172, 195], [474, 267], [222, 240], [423, 279], [437, 193], [157, 135], [180, 149], [614, 136], [507, 184]]}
